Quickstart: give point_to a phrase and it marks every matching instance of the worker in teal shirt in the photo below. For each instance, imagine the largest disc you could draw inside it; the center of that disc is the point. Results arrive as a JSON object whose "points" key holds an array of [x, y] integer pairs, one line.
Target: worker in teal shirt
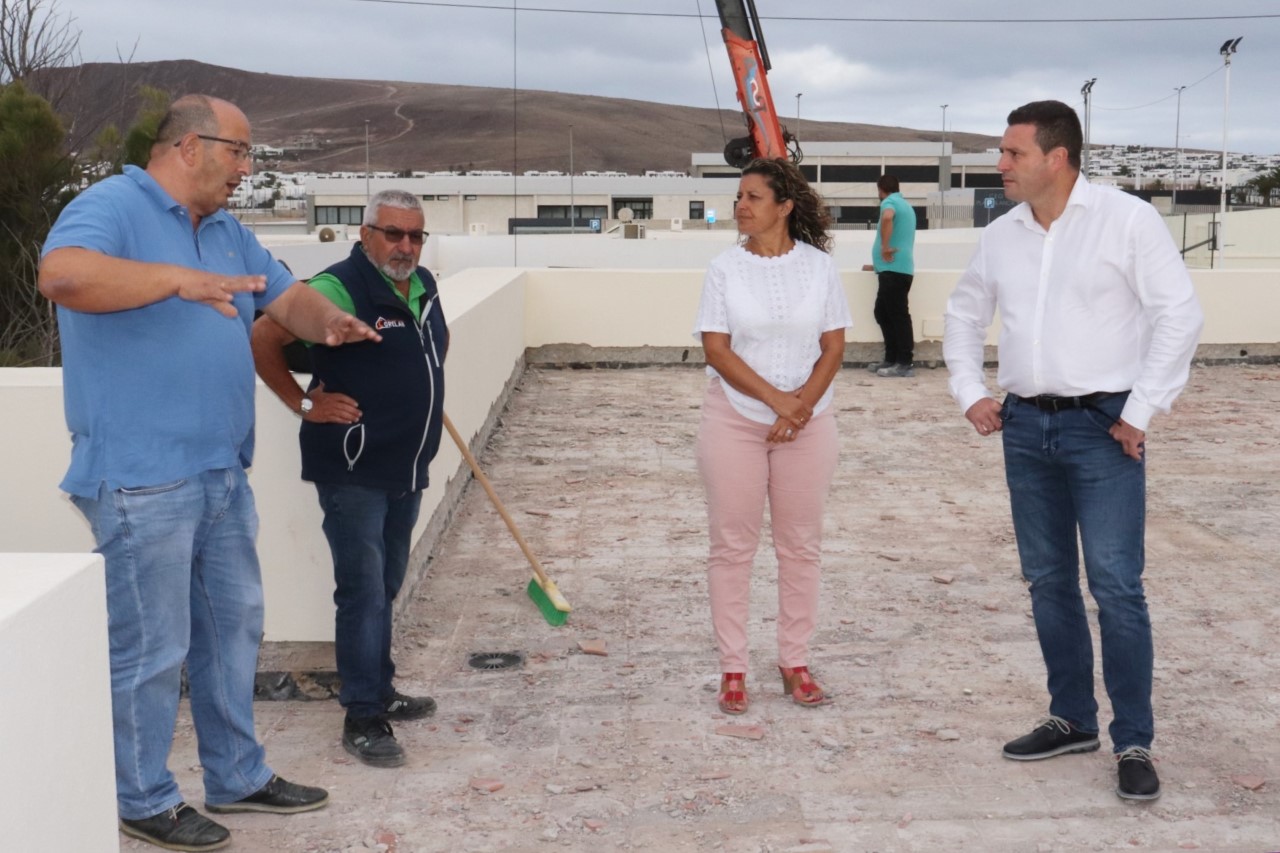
{"points": [[893, 259]]}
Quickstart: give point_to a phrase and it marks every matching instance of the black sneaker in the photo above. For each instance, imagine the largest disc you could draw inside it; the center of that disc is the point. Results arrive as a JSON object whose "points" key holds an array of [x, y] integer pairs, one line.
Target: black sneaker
{"points": [[278, 797], [401, 707], [178, 828], [371, 740], [1138, 779], [1051, 736], [877, 365]]}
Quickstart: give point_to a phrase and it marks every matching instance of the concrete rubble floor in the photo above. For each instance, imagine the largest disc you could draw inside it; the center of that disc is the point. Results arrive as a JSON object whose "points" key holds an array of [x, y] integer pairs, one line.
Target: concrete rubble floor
{"points": [[925, 642]]}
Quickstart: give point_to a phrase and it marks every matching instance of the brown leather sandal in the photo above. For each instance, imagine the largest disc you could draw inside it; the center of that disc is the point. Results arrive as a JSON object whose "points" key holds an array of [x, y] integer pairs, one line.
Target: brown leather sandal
{"points": [[733, 701], [798, 683]]}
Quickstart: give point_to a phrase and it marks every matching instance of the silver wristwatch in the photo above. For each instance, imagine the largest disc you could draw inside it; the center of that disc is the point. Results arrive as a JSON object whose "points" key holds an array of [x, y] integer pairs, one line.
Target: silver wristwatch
{"points": [[305, 406]]}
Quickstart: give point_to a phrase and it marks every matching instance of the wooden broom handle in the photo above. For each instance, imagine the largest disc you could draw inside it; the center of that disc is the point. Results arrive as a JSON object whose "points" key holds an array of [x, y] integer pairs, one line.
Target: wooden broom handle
{"points": [[493, 496]]}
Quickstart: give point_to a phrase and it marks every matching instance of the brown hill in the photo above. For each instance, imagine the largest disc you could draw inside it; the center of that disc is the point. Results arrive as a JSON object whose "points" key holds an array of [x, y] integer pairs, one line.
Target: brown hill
{"points": [[429, 127]]}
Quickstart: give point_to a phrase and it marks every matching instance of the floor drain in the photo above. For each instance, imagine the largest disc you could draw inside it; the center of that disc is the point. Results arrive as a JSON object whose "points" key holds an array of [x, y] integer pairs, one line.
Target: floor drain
{"points": [[494, 660]]}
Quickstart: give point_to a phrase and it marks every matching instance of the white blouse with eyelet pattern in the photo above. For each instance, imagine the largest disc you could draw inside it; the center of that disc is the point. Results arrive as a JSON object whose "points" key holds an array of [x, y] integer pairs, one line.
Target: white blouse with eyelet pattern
{"points": [[774, 310]]}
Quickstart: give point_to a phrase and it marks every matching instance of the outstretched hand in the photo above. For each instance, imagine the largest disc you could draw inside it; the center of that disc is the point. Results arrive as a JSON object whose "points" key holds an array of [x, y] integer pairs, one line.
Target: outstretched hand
{"points": [[344, 328], [218, 291]]}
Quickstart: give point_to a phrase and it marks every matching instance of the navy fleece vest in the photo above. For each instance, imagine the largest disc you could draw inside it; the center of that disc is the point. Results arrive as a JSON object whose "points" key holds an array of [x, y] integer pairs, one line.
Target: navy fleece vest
{"points": [[398, 383]]}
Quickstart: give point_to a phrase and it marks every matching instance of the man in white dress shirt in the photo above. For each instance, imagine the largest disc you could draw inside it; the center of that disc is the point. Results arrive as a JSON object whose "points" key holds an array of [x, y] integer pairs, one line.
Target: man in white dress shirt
{"points": [[1099, 322]]}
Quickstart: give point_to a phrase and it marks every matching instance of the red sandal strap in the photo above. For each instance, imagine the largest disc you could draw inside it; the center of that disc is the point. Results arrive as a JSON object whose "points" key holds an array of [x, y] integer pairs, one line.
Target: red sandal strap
{"points": [[807, 687]]}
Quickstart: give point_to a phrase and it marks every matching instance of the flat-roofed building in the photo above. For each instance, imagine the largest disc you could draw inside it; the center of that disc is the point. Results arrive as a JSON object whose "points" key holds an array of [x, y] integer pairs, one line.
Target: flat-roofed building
{"points": [[844, 172]]}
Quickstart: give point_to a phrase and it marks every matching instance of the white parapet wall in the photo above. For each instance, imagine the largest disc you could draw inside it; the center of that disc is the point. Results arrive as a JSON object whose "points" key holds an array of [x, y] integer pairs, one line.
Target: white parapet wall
{"points": [[57, 779], [485, 310], [494, 315], [631, 308]]}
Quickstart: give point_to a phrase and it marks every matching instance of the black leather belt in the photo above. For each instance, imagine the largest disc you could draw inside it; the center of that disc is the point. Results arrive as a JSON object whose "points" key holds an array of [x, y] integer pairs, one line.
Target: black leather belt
{"points": [[1054, 403]]}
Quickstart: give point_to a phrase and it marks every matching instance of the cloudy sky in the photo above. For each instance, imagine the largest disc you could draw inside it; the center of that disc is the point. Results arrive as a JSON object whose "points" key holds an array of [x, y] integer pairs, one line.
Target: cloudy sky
{"points": [[881, 63]]}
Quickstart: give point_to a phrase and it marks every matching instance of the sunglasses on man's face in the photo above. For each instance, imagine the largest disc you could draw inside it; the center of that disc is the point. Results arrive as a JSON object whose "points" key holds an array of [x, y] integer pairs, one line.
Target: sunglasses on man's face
{"points": [[395, 235]]}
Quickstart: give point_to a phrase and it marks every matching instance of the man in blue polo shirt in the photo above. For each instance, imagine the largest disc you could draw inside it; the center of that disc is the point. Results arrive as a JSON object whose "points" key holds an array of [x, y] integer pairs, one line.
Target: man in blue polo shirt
{"points": [[371, 424], [156, 287]]}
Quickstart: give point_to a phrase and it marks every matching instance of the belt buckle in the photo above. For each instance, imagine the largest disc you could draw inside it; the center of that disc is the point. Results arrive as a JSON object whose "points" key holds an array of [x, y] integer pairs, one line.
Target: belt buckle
{"points": [[1049, 403]]}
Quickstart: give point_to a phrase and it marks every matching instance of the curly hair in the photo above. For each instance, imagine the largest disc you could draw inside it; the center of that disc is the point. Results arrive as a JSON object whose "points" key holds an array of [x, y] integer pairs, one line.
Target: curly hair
{"points": [[809, 220]]}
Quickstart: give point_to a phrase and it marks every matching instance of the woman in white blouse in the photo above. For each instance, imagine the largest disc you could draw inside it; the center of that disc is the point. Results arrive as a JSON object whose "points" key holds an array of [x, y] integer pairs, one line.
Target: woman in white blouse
{"points": [[772, 321]]}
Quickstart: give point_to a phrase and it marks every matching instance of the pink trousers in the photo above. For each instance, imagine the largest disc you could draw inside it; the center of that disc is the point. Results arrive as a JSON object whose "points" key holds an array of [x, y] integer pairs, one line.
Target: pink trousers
{"points": [[739, 468]]}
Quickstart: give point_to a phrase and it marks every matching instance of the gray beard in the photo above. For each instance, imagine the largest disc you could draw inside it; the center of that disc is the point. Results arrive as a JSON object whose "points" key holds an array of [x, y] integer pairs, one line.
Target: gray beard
{"points": [[402, 274]]}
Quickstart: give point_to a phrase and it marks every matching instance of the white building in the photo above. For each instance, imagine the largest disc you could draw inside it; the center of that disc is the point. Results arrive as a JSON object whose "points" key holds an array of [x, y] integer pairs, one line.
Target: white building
{"points": [[844, 172]]}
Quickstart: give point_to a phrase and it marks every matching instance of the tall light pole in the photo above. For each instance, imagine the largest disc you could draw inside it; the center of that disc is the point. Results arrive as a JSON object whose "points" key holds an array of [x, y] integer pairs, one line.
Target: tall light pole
{"points": [[1177, 151], [1087, 91], [366, 161], [1228, 48], [942, 185], [798, 94], [573, 217]]}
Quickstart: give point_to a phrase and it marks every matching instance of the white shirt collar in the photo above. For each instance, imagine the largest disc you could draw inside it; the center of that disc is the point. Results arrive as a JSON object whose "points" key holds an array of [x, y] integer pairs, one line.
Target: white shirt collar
{"points": [[1081, 196]]}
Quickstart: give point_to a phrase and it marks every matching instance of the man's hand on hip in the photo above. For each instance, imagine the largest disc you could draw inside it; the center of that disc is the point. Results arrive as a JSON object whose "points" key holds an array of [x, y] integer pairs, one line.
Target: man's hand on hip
{"points": [[331, 408]]}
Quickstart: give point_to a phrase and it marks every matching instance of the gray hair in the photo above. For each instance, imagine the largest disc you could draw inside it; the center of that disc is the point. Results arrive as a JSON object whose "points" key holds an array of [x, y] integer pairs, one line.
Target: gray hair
{"points": [[188, 114], [398, 199]]}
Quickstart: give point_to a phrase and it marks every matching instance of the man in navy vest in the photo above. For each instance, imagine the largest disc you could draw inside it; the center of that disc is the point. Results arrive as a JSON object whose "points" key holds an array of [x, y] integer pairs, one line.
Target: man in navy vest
{"points": [[371, 423]]}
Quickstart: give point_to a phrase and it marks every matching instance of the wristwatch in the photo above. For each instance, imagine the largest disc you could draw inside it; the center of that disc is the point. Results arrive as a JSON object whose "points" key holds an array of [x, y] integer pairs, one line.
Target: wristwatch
{"points": [[305, 406]]}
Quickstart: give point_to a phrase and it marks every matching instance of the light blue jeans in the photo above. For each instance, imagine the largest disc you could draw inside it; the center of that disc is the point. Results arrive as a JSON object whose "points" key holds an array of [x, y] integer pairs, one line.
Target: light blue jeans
{"points": [[183, 583], [1067, 475]]}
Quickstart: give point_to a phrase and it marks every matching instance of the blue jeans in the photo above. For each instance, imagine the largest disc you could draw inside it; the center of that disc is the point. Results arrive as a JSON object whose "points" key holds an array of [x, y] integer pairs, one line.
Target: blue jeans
{"points": [[370, 533], [1067, 474], [182, 584]]}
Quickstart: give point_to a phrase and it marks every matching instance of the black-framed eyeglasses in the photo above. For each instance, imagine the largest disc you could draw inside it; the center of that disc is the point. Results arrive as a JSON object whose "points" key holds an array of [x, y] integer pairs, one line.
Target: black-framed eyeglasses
{"points": [[395, 235], [238, 146]]}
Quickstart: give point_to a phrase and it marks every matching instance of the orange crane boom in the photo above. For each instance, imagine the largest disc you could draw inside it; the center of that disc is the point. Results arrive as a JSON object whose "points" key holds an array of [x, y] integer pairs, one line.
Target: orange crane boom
{"points": [[740, 29]]}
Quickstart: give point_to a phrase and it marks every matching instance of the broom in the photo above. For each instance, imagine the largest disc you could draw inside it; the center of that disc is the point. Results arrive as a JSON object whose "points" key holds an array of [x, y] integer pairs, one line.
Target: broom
{"points": [[555, 609]]}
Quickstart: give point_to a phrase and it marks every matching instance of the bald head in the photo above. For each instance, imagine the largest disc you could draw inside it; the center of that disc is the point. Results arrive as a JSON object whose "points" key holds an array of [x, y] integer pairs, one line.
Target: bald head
{"points": [[188, 114], [201, 152]]}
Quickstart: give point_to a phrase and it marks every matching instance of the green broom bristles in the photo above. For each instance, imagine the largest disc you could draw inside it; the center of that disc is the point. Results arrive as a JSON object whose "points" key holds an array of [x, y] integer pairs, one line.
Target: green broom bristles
{"points": [[550, 612]]}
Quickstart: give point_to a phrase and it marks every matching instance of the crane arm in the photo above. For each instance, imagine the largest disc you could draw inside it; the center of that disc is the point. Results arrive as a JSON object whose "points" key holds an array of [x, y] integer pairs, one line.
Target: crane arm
{"points": [[740, 29]]}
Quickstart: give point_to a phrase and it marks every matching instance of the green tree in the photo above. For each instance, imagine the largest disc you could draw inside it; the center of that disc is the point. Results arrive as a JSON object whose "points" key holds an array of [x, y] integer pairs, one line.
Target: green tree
{"points": [[113, 150], [36, 182], [142, 134], [39, 52], [1265, 184]]}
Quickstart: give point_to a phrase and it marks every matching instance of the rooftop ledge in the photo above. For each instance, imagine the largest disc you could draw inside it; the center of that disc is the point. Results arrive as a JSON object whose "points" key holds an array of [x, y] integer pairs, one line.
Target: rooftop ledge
{"points": [[923, 636], [504, 321]]}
